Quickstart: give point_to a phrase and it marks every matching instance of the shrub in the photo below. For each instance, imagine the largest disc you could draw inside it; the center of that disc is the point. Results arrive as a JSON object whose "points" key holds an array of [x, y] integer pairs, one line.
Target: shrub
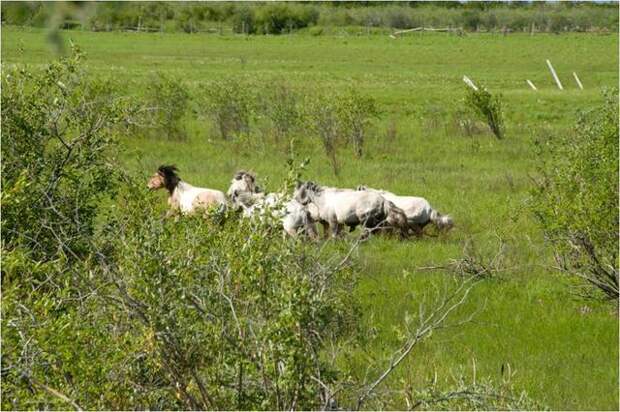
{"points": [[56, 135], [321, 116], [576, 198], [243, 21], [355, 114], [230, 314], [231, 104], [471, 20], [166, 102], [279, 104], [316, 31], [488, 107], [57, 140]]}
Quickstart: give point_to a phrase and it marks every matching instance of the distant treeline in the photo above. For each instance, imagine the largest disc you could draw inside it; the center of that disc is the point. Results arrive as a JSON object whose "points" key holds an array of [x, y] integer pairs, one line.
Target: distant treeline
{"points": [[286, 17]]}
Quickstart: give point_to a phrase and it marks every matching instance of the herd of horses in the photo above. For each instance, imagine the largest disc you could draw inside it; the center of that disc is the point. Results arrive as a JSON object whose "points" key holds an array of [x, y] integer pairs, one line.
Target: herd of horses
{"points": [[333, 208]]}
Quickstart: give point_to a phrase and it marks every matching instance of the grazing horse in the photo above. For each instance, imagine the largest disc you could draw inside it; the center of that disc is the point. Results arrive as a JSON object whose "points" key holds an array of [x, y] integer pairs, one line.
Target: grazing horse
{"points": [[417, 209], [246, 195], [339, 207], [181, 195]]}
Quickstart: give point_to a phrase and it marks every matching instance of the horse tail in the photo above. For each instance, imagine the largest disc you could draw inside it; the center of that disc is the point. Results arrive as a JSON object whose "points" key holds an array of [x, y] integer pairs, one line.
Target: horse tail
{"points": [[443, 222]]}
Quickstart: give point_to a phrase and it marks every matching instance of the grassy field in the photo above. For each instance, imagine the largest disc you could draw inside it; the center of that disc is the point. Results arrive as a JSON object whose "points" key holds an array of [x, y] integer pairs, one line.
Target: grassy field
{"points": [[564, 350]]}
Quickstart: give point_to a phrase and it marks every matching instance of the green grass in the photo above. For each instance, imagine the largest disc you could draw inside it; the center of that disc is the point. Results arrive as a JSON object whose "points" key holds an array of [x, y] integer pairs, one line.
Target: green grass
{"points": [[563, 356]]}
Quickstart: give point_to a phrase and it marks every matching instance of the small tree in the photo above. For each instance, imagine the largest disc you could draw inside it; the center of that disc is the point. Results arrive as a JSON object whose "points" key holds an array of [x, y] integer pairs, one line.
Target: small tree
{"points": [[488, 107], [322, 119], [166, 101], [355, 114], [231, 104], [279, 104], [576, 198]]}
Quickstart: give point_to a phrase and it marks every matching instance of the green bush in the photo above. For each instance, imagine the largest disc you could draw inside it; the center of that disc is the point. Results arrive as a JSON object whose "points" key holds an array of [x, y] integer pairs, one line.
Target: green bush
{"points": [[487, 107], [166, 102], [576, 198], [356, 113], [230, 314], [244, 21], [58, 130], [281, 18], [230, 103], [321, 117], [279, 103], [56, 136]]}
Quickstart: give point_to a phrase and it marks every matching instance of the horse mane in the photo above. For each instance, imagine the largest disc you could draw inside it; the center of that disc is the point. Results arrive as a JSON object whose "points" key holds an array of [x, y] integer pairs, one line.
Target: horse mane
{"points": [[169, 173], [240, 173], [312, 187]]}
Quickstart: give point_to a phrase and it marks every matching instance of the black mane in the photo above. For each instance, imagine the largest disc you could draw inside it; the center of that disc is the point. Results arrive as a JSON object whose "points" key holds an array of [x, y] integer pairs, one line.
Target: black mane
{"points": [[171, 179], [239, 175]]}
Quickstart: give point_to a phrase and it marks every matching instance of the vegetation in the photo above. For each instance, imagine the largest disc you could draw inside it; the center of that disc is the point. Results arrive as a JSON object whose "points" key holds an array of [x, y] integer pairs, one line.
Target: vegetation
{"points": [[279, 18], [158, 313], [165, 104], [488, 107], [89, 345], [230, 103], [576, 198]]}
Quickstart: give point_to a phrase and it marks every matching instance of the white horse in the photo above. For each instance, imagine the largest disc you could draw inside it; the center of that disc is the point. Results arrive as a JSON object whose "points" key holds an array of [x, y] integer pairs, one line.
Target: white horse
{"points": [[417, 209], [246, 195], [340, 207], [294, 217], [181, 195], [241, 182]]}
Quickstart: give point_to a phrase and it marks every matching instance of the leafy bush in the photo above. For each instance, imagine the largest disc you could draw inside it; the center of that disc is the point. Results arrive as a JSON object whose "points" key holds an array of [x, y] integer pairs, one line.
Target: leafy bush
{"points": [[576, 198], [58, 134], [232, 314], [231, 104], [279, 104], [244, 21], [280, 18], [166, 102], [488, 107], [355, 114], [321, 116]]}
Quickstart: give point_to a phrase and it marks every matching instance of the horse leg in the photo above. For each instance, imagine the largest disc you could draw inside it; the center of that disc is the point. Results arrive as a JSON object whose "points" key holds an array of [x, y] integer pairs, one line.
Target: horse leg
{"points": [[417, 230], [335, 226], [325, 229]]}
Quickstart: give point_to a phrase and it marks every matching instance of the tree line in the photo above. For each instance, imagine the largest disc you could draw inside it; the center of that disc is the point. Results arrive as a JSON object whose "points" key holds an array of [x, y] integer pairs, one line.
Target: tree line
{"points": [[288, 17]]}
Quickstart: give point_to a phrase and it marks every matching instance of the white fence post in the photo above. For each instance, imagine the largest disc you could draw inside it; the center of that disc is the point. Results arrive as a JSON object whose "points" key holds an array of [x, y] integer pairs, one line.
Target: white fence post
{"points": [[555, 76], [468, 82], [578, 81]]}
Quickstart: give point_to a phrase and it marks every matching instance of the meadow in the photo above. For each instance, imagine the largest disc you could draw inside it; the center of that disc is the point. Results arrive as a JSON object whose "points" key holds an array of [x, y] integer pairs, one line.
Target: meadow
{"points": [[562, 349]]}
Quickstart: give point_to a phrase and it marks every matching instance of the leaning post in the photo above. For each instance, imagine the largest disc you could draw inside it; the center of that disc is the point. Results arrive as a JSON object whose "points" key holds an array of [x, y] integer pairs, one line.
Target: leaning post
{"points": [[578, 81], [555, 76], [468, 82]]}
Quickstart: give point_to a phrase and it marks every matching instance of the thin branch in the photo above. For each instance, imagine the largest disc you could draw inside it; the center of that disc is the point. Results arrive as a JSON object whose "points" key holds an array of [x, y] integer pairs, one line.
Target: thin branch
{"points": [[432, 322]]}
